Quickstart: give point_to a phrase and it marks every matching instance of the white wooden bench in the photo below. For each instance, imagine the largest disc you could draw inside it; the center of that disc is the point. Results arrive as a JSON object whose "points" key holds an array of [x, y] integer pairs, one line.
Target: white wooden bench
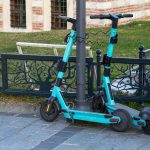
{"points": [[55, 47]]}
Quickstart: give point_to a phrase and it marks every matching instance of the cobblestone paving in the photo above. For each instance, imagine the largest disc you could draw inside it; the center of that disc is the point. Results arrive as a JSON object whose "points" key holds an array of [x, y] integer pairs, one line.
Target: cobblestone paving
{"points": [[25, 132]]}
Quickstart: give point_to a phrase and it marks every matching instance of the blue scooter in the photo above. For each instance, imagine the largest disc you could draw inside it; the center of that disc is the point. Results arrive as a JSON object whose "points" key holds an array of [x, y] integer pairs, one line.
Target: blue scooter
{"points": [[119, 119]]}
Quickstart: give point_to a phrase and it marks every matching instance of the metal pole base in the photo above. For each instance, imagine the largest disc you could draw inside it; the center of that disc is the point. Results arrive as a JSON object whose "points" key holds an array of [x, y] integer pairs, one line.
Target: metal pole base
{"points": [[83, 106]]}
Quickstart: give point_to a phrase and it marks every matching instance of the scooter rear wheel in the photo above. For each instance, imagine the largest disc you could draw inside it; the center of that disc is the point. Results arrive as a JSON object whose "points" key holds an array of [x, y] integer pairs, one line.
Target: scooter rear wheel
{"points": [[125, 122], [51, 114], [146, 129], [98, 104]]}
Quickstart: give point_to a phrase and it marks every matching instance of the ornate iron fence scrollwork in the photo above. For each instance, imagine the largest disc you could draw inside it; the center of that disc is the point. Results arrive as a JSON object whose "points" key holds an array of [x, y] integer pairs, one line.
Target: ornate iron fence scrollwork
{"points": [[36, 75], [126, 79]]}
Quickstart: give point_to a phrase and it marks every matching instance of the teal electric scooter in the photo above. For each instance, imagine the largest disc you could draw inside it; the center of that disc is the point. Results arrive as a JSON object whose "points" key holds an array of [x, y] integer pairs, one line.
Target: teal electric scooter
{"points": [[104, 101], [119, 119]]}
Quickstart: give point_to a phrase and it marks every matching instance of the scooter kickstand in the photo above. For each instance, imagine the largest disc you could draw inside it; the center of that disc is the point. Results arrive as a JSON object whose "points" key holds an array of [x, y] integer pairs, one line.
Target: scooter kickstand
{"points": [[72, 120]]}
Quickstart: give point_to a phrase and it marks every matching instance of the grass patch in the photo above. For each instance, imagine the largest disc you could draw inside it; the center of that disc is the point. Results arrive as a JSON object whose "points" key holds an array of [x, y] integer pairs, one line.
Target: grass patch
{"points": [[130, 37], [14, 99]]}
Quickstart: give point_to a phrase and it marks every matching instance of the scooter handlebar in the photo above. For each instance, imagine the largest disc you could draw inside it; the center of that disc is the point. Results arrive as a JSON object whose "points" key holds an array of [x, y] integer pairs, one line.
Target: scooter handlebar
{"points": [[71, 20], [111, 16]]}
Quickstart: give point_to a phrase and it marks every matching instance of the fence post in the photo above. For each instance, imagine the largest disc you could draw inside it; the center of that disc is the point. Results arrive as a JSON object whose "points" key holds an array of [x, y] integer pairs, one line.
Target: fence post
{"points": [[141, 72], [98, 69], [4, 73]]}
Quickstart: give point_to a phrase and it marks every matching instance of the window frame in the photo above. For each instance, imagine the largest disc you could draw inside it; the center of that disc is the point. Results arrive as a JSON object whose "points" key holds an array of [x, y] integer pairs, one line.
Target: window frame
{"points": [[18, 13], [58, 7]]}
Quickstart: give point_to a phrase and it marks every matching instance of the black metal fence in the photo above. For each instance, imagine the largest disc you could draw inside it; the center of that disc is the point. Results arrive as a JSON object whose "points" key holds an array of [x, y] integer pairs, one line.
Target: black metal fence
{"points": [[131, 77], [35, 75]]}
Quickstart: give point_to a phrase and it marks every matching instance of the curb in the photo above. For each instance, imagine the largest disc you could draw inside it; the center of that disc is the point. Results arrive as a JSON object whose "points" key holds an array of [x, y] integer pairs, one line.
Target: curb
{"points": [[22, 108]]}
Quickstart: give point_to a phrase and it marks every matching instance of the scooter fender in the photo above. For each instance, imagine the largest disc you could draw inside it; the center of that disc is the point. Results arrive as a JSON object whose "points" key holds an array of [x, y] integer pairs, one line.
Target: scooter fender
{"points": [[54, 100], [145, 113]]}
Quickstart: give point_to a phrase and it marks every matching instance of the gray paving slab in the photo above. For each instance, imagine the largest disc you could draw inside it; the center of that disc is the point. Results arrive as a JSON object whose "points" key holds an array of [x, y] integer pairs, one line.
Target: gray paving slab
{"points": [[145, 146], [45, 146], [7, 120], [60, 137], [106, 141], [83, 137], [68, 147], [23, 122], [25, 132], [30, 141], [7, 132], [56, 139], [28, 115], [7, 114], [134, 142]]}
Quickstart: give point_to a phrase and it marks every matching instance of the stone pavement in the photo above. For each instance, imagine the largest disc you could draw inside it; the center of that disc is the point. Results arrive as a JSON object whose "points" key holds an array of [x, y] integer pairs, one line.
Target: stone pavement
{"points": [[25, 132]]}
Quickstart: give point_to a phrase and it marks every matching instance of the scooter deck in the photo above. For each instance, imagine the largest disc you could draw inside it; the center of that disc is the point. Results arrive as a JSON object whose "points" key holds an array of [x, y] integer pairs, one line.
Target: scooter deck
{"points": [[92, 117]]}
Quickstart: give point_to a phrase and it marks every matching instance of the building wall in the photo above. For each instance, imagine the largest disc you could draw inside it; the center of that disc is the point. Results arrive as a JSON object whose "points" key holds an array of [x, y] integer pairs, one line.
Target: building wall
{"points": [[1, 14], [38, 16], [139, 8], [41, 16], [38, 12]]}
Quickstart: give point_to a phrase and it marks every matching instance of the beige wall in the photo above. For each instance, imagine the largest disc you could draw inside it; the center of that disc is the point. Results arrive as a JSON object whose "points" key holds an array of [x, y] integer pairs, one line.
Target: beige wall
{"points": [[1, 15], [38, 16], [139, 8], [41, 16], [70, 13]]}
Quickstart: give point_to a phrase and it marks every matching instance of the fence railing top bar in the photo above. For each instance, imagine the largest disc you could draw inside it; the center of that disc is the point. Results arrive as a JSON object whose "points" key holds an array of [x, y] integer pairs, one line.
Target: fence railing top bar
{"points": [[43, 45], [39, 57], [131, 61], [36, 93], [32, 57]]}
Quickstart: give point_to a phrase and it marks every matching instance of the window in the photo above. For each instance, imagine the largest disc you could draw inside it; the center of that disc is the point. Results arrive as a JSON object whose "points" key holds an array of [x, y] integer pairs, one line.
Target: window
{"points": [[18, 13], [58, 7]]}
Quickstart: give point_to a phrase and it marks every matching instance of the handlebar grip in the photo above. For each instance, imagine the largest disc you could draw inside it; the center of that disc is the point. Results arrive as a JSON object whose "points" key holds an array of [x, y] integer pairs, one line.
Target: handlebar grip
{"points": [[101, 16], [71, 20], [63, 17], [94, 17], [127, 15]]}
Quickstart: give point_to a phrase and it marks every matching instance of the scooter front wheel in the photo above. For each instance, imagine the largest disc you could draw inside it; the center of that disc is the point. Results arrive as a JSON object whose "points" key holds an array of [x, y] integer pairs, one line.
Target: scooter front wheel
{"points": [[125, 120], [146, 129], [49, 112]]}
